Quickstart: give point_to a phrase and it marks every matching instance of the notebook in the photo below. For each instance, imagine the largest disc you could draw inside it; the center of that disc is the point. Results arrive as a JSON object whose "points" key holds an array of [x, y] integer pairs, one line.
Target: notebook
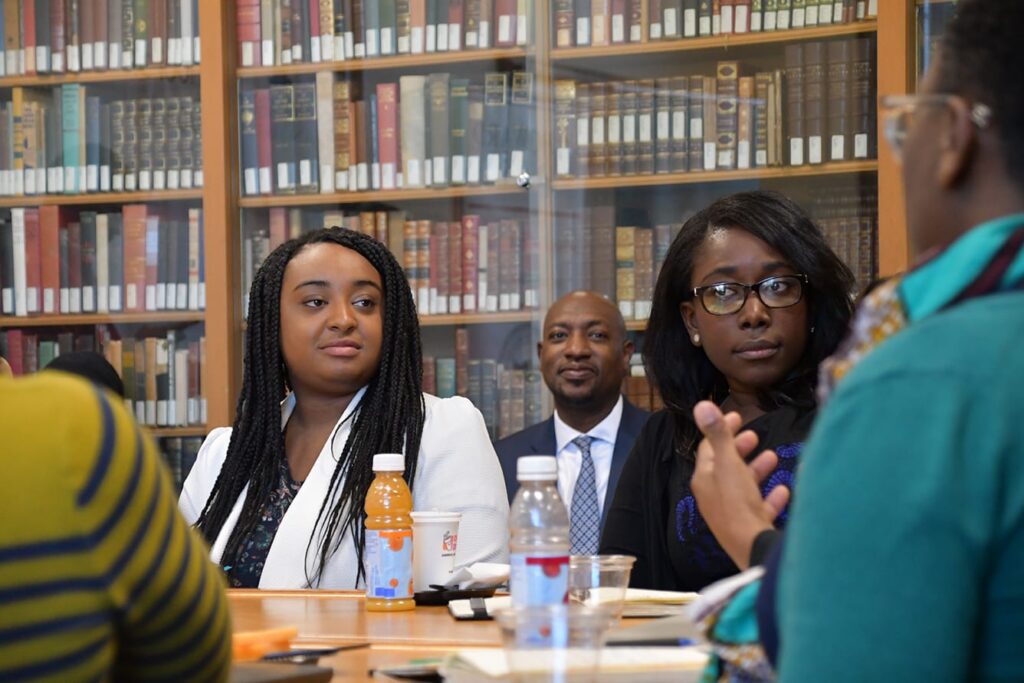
{"points": [[620, 664], [639, 603]]}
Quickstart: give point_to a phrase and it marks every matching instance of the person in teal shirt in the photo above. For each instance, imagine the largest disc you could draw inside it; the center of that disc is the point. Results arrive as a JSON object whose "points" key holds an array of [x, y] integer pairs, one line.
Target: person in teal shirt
{"points": [[904, 555]]}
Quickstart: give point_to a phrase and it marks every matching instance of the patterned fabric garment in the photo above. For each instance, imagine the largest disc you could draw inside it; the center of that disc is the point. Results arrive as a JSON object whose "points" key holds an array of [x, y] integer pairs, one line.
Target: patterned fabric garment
{"points": [[585, 517], [692, 532], [252, 554], [982, 264]]}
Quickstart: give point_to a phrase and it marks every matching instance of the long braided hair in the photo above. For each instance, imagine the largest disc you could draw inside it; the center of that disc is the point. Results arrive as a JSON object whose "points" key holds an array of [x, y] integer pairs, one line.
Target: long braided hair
{"points": [[389, 418]]}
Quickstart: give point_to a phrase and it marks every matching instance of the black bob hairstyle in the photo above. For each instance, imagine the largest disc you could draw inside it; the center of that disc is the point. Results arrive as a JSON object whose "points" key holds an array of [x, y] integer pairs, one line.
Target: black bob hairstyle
{"points": [[389, 418], [681, 371]]}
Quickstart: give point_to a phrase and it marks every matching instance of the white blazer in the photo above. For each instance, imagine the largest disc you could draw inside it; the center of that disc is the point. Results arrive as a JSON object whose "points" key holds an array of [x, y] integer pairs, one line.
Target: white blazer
{"points": [[457, 471]]}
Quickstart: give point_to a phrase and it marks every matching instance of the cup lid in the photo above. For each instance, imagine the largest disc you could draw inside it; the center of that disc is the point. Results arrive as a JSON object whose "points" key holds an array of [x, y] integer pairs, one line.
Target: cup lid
{"points": [[536, 467], [389, 462], [435, 516]]}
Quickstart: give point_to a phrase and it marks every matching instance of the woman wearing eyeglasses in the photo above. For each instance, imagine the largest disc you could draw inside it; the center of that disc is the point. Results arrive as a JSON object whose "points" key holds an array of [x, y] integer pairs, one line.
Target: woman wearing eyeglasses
{"points": [[749, 301]]}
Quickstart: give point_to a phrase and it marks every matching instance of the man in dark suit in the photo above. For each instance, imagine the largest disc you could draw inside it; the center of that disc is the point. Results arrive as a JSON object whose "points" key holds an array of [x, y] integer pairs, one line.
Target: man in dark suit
{"points": [[584, 356]]}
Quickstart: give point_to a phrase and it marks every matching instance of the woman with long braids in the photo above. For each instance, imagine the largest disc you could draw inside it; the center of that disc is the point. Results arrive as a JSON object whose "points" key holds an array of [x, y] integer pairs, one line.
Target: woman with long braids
{"points": [[332, 377]]}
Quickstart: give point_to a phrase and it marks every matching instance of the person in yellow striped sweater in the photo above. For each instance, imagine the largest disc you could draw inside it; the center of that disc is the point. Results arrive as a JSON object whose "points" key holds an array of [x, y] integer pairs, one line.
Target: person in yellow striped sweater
{"points": [[100, 577]]}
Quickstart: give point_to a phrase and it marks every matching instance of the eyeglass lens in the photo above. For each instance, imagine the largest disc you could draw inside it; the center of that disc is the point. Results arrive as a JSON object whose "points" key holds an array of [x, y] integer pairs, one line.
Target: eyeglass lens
{"points": [[729, 297]]}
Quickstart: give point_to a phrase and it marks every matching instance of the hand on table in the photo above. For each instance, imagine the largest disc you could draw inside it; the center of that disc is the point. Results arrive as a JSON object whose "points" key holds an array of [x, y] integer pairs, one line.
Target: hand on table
{"points": [[726, 486]]}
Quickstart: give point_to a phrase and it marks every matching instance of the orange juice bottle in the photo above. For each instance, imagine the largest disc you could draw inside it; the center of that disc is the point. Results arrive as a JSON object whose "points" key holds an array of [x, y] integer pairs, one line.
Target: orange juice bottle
{"points": [[388, 554]]}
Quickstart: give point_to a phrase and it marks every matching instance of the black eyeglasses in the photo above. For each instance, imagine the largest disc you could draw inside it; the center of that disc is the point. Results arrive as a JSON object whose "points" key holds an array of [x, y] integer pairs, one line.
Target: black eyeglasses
{"points": [[726, 298]]}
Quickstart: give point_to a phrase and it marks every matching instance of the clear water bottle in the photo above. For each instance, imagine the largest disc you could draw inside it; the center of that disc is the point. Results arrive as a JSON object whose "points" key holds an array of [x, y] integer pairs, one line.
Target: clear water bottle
{"points": [[539, 545]]}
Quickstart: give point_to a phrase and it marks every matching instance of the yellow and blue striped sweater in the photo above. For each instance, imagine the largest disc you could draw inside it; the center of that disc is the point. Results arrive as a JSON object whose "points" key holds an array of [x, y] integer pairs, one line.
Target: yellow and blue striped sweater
{"points": [[100, 577]]}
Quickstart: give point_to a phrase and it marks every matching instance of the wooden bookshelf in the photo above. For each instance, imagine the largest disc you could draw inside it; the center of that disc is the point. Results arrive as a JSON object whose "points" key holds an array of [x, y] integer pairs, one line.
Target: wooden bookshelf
{"points": [[565, 54], [111, 76], [94, 198], [386, 63], [219, 76], [423, 193], [168, 317], [162, 432], [704, 177]]}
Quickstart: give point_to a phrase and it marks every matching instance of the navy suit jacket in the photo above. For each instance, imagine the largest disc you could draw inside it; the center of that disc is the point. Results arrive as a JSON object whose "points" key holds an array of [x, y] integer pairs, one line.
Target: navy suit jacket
{"points": [[539, 439]]}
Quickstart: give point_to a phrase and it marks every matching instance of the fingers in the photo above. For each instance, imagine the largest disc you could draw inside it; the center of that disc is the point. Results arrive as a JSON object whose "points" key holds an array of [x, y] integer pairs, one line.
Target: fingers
{"points": [[763, 465], [716, 427], [746, 442], [777, 500]]}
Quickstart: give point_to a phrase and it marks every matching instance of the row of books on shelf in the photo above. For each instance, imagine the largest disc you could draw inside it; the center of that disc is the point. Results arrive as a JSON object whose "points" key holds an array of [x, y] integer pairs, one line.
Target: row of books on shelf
{"points": [[59, 36], [275, 32], [179, 453], [637, 389], [71, 140], [819, 109], [609, 22], [161, 375], [56, 260], [509, 399], [621, 262], [438, 130], [461, 266], [849, 221]]}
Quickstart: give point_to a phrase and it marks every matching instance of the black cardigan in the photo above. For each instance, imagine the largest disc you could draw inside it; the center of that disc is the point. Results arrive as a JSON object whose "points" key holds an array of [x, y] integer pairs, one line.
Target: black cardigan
{"points": [[637, 521]]}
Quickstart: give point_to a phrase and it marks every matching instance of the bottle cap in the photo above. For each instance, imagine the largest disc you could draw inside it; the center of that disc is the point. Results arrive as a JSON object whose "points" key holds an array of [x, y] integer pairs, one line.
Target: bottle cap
{"points": [[536, 468], [389, 462]]}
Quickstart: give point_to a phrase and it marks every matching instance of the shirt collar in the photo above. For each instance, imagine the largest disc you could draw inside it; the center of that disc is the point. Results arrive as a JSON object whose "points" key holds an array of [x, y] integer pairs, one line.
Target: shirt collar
{"points": [[935, 283], [288, 406], [606, 429]]}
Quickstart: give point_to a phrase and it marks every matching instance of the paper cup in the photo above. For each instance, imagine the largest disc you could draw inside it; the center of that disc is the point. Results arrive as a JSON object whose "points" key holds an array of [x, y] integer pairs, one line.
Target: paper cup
{"points": [[435, 537]]}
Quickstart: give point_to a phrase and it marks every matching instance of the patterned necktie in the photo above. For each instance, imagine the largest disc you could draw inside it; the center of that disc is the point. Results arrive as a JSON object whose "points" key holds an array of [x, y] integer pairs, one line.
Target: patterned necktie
{"points": [[584, 517]]}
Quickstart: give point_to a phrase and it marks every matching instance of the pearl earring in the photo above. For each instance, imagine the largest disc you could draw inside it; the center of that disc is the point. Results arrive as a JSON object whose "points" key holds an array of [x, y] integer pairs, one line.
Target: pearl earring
{"points": [[696, 338]]}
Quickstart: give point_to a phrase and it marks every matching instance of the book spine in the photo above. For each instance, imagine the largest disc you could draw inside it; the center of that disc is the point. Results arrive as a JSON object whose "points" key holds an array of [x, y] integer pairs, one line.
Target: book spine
{"points": [[455, 259], [630, 144], [438, 153], [598, 132], [495, 143], [625, 270], [794, 113], [581, 156], [469, 263], [250, 160], [565, 128], [727, 114], [282, 116], [247, 28], [815, 100], [520, 124], [459, 115]]}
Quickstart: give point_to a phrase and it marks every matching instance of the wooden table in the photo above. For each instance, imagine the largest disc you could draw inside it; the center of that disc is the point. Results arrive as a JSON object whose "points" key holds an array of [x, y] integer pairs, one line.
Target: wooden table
{"points": [[328, 618], [338, 617]]}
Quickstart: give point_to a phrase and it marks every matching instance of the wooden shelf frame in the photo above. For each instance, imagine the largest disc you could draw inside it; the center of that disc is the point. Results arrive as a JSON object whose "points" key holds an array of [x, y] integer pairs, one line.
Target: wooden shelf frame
{"points": [[109, 76], [706, 177], [566, 54], [413, 194], [389, 63], [459, 319], [94, 198], [73, 319]]}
